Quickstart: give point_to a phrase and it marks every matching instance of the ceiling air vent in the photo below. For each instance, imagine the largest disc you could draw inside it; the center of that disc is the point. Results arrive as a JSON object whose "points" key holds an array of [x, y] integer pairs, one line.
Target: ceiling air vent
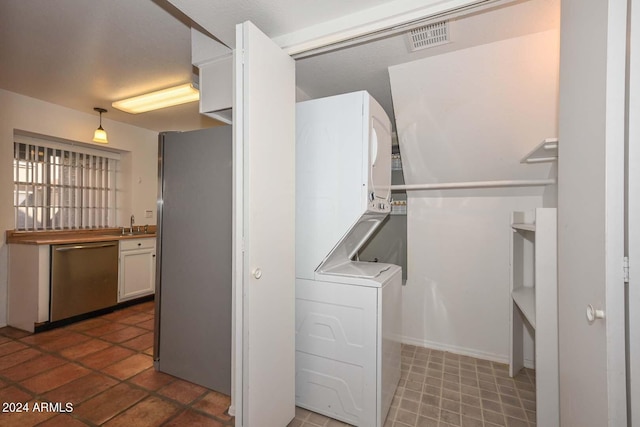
{"points": [[429, 36]]}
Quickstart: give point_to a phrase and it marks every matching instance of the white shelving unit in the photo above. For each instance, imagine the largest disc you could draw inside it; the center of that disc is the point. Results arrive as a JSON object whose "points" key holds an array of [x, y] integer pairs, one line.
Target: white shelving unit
{"points": [[525, 299], [534, 300]]}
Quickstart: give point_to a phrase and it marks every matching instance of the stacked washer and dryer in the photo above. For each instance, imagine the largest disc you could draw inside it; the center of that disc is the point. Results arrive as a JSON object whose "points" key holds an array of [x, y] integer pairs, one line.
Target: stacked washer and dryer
{"points": [[348, 313]]}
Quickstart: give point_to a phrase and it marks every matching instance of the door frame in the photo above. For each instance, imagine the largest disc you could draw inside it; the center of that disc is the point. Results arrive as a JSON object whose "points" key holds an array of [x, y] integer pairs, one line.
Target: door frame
{"points": [[591, 212], [633, 211]]}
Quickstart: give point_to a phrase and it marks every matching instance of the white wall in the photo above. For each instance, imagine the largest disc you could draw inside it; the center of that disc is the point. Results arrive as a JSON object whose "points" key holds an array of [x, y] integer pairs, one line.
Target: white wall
{"points": [[470, 115], [457, 292], [137, 188]]}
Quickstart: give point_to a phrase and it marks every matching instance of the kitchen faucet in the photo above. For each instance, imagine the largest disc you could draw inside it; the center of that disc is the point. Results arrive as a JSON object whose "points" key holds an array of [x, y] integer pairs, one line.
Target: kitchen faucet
{"points": [[133, 220]]}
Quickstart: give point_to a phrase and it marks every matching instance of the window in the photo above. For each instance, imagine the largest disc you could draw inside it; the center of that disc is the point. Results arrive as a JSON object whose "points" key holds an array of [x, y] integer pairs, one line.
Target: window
{"points": [[62, 185]]}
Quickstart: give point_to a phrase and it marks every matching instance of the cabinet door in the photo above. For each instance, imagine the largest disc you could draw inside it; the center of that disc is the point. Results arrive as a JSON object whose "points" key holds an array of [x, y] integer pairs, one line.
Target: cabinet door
{"points": [[137, 273]]}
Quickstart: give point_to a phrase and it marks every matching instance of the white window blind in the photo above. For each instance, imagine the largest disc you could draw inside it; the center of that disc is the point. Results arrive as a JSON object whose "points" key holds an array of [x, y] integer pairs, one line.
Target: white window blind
{"points": [[62, 186]]}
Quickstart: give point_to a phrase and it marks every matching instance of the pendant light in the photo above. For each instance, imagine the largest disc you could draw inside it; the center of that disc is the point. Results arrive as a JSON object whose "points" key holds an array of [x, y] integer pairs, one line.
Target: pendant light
{"points": [[100, 135]]}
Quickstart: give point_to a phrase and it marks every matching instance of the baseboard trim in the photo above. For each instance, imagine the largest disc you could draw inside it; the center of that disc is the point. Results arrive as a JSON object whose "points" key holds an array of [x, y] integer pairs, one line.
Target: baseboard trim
{"points": [[463, 351]]}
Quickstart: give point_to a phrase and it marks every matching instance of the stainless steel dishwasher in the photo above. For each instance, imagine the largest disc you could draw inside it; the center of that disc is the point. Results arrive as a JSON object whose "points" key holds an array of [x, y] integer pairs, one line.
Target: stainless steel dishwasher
{"points": [[84, 278]]}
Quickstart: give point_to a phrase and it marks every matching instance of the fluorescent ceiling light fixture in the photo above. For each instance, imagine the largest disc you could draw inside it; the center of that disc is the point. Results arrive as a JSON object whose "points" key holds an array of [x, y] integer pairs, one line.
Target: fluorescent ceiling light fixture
{"points": [[159, 99]]}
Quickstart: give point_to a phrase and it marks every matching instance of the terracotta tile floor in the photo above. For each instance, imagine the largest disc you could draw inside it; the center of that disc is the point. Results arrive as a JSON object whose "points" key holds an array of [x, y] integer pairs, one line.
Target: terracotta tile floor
{"points": [[440, 389], [104, 367]]}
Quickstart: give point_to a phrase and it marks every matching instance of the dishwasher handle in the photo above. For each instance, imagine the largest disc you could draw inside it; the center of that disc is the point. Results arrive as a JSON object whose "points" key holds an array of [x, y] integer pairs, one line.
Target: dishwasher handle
{"points": [[89, 246]]}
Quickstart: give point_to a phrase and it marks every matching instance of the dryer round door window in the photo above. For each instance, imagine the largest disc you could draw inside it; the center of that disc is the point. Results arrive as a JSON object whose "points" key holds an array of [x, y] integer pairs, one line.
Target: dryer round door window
{"points": [[374, 147], [380, 159]]}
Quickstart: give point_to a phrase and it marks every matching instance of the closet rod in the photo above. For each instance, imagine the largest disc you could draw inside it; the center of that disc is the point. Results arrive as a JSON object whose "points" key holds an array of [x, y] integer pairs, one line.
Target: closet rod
{"points": [[475, 184], [539, 160]]}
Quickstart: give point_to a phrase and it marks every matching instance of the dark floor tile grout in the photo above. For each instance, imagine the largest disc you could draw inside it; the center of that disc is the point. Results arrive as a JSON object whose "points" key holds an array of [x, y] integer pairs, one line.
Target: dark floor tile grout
{"points": [[446, 369]]}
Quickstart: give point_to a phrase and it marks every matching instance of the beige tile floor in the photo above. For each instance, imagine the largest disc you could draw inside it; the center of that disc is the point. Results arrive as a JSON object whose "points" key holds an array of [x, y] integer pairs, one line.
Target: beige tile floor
{"points": [[442, 389]]}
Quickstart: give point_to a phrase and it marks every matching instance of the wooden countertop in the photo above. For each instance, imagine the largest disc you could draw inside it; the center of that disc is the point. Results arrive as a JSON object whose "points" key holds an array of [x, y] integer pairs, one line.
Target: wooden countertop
{"points": [[73, 236]]}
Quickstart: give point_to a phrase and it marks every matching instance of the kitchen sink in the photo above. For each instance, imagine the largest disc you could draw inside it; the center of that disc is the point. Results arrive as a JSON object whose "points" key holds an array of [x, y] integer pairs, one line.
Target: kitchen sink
{"points": [[127, 233]]}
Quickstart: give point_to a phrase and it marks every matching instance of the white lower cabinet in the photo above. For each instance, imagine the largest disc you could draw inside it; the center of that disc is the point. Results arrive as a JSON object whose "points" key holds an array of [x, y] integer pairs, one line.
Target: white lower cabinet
{"points": [[137, 268]]}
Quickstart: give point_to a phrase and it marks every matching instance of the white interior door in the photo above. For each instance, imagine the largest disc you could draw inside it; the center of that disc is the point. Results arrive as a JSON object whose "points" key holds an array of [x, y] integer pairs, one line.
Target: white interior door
{"points": [[264, 230], [633, 213], [591, 213]]}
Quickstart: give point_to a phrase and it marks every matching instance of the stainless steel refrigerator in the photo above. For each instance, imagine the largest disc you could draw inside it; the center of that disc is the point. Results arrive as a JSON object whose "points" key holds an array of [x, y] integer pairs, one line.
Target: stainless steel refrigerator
{"points": [[193, 272]]}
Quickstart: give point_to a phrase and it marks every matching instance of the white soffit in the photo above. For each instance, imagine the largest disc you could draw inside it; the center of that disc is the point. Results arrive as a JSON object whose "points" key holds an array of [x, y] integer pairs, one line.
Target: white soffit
{"points": [[384, 20], [273, 17], [301, 27], [365, 66], [204, 49]]}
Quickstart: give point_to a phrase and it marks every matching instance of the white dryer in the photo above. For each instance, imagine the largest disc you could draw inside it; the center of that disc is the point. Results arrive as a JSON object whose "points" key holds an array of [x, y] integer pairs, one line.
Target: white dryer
{"points": [[348, 313]]}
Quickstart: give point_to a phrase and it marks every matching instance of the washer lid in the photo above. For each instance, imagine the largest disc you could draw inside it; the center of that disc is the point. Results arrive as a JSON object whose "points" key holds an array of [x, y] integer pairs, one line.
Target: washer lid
{"points": [[365, 270], [359, 273], [352, 241]]}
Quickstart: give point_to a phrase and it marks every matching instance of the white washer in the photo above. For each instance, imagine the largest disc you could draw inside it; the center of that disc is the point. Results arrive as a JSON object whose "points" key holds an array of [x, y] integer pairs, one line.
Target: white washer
{"points": [[348, 313], [347, 345]]}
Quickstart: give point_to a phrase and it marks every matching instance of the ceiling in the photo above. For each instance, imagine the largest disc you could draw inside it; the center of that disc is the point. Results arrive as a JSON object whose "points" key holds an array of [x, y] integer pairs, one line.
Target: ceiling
{"points": [[365, 66], [85, 54]]}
